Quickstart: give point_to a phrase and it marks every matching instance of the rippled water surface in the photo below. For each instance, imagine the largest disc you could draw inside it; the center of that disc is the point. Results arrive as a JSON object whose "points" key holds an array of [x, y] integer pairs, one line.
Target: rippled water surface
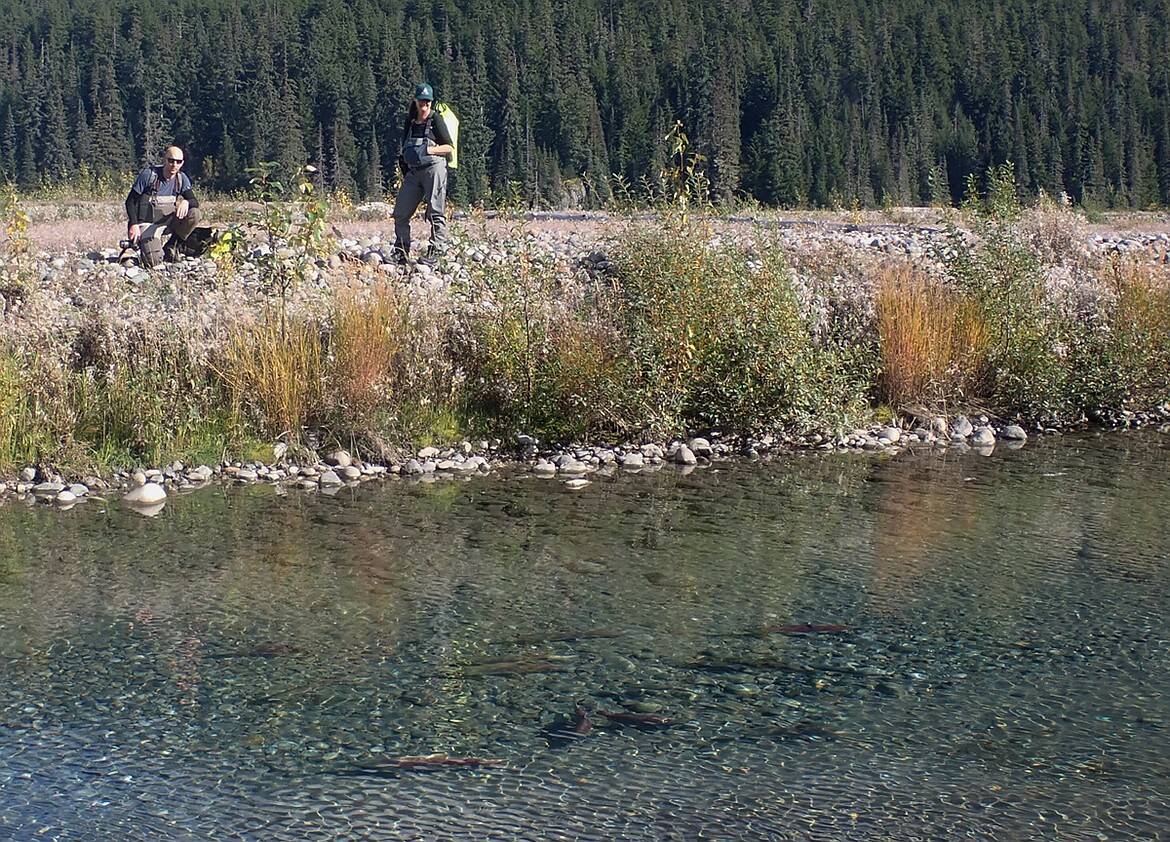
{"points": [[252, 666]]}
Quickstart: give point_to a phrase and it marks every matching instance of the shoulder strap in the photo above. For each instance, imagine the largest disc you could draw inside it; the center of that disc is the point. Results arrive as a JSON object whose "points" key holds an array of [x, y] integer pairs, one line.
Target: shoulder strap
{"points": [[155, 180]]}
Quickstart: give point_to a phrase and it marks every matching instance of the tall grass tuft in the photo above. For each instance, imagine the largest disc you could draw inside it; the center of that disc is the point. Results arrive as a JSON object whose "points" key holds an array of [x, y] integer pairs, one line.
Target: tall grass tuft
{"points": [[275, 378], [369, 328], [29, 425], [933, 341]]}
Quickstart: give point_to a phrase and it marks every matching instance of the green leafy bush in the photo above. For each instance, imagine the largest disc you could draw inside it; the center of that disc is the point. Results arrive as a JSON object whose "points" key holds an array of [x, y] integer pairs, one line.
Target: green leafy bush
{"points": [[538, 357], [717, 337]]}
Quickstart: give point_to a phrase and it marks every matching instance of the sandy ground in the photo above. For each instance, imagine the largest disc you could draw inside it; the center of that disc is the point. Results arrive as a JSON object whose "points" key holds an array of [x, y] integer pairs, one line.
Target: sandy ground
{"points": [[102, 227], [85, 226]]}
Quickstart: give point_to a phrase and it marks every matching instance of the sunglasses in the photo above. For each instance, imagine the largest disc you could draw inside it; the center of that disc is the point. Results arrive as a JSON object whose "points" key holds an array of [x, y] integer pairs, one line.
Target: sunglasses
{"points": [[174, 160]]}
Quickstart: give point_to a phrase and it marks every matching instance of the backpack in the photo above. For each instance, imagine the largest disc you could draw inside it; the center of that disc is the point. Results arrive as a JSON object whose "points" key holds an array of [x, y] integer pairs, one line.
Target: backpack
{"points": [[443, 112], [452, 123], [198, 243]]}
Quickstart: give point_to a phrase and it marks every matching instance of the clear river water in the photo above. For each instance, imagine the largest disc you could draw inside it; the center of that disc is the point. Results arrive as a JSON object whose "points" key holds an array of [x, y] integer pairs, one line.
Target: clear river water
{"points": [[818, 647]]}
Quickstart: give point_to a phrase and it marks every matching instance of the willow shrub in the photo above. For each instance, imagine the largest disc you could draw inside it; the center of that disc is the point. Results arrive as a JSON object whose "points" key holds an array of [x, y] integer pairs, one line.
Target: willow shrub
{"points": [[1067, 340], [538, 356], [716, 338], [1125, 360], [1028, 344]]}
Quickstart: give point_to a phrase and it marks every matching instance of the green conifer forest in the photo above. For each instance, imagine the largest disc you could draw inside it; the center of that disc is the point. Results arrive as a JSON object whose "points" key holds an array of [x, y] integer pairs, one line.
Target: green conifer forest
{"points": [[791, 102]]}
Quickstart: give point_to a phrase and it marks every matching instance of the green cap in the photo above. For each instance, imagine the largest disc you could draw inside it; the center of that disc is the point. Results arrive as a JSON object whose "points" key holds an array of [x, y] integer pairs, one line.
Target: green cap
{"points": [[423, 91]]}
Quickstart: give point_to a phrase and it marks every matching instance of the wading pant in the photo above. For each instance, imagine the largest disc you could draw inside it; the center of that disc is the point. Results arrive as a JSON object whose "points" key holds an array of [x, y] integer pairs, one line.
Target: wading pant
{"points": [[426, 184], [170, 224], [150, 241]]}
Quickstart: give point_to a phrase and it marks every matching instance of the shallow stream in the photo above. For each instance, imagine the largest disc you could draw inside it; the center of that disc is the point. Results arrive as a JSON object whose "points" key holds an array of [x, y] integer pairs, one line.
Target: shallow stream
{"points": [[842, 647]]}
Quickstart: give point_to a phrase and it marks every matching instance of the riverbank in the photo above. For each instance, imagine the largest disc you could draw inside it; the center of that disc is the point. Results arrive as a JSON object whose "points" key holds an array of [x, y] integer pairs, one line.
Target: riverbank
{"points": [[147, 491], [643, 329]]}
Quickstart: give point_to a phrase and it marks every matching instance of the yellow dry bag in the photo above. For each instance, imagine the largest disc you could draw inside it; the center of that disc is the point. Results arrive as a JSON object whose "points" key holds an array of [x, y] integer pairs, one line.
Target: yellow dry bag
{"points": [[452, 123]]}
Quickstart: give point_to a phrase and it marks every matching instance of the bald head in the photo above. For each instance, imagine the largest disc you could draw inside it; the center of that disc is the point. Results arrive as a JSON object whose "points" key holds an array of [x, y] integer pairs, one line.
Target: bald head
{"points": [[174, 161]]}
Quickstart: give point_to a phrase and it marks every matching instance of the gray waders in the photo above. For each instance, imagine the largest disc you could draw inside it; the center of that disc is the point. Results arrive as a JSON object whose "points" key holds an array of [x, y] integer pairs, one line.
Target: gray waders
{"points": [[426, 182], [150, 244]]}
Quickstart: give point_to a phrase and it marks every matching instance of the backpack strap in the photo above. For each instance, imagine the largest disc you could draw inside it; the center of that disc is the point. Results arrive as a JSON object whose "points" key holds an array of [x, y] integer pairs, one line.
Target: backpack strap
{"points": [[155, 181], [408, 124]]}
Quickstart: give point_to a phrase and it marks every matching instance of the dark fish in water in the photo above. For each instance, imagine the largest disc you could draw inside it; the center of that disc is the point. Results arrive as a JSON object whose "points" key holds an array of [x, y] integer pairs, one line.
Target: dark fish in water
{"points": [[422, 763], [271, 650], [440, 760], [566, 731], [262, 650], [799, 730], [711, 664], [569, 636], [511, 667], [625, 717], [805, 628], [591, 568], [581, 723]]}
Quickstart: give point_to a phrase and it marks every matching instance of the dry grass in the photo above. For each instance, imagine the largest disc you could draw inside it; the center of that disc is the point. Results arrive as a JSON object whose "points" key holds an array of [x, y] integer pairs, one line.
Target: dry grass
{"points": [[933, 341], [1140, 329], [277, 378], [1143, 298], [367, 340]]}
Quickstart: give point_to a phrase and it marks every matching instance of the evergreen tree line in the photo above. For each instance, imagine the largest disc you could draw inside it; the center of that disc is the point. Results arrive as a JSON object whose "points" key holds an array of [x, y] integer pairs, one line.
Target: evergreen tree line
{"points": [[792, 102]]}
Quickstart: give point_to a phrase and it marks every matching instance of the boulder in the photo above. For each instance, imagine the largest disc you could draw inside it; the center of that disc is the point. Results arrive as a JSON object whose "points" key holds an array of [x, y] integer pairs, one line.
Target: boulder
{"points": [[147, 494], [1014, 432]]}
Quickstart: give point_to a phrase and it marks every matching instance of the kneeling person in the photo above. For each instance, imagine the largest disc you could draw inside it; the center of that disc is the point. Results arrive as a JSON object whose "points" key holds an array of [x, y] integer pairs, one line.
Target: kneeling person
{"points": [[161, 201]]}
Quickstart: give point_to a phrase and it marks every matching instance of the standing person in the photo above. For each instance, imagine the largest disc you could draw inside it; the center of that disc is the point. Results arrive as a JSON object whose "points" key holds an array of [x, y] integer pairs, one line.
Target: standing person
{"points": [[426, 145], [161, 201]]}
